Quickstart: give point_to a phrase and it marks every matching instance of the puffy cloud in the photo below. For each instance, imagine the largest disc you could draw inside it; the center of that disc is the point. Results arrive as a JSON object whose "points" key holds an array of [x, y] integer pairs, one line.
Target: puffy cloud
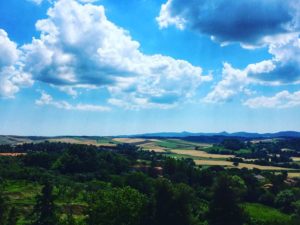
{"points": [[282, 99], [47, 99], [234, 81], [254, 23], [11, 75], [79, 46], [283, 68], [244, 21], [286, 61]]}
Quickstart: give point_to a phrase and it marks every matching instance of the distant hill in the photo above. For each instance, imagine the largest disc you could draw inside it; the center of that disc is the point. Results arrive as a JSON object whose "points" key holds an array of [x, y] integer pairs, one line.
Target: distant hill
{"points": [[198, 137], [286, 134]]}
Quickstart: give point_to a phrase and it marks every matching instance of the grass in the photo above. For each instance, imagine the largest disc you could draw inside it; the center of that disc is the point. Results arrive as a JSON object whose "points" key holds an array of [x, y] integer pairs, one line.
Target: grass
{"points": [[106, 140], [22, 195], [243, 151], [263, 215], [168, 144]]}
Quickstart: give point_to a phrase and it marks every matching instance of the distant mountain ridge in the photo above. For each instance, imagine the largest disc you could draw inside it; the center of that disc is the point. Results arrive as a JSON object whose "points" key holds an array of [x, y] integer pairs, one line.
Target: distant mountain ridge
{"points": [[292, 134]]}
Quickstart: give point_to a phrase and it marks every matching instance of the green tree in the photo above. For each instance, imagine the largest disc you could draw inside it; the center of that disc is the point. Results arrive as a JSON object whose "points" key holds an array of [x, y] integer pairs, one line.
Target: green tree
{"points": [[173, 204], [12, 217], [224, 208], [116, 206], [3, 205], [284, 200], [44, 212], [69, 219]]}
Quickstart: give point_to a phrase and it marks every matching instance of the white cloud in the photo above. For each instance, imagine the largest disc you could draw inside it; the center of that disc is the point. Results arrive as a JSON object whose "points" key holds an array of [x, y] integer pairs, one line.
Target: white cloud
{"points": [[274, 24], [165, 19], [79, 46], [47, 99], [283, 68], [12, 76], [283, 99], [234, 81]]}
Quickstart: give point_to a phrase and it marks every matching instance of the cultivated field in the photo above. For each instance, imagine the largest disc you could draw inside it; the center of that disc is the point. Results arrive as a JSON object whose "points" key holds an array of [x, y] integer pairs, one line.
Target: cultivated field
{"points": [[129, 140], [170, 146], [296, 159], [201, 154], [293, 175], [80, 141], [12, 154], [240, 166]]}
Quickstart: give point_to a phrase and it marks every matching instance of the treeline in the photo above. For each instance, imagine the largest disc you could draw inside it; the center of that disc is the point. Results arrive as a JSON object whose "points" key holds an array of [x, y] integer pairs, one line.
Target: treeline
{"points": [[88, 185]]}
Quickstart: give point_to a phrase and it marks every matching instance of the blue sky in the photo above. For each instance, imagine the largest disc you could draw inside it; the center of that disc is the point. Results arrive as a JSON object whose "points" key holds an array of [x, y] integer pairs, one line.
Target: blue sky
{"points": [[108, 67]]}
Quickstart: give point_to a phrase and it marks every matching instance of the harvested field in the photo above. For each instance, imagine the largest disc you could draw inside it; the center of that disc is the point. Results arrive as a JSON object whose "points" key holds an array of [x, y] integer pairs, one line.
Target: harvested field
{"points": [[80, 141], [155, 149], [201, 154], [152, 147], [12, 154], [129, 140], [240, 166], [212, 162], [296, 159], [74, 141], [252, 166], [294, 175]]}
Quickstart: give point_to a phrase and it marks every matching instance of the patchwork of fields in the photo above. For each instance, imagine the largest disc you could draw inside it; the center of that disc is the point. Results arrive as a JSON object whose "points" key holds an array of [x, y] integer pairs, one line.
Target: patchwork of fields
{"points": [[173, 147]]}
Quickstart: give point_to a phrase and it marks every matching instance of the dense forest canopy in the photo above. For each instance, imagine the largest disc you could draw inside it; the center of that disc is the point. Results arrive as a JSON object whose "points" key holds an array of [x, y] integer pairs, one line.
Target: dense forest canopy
{"points": [[64, 184]]}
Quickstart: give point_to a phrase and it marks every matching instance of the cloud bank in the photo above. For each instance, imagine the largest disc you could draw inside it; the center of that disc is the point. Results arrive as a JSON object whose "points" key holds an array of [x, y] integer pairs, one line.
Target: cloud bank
{"points": [[283, 99], [80, 47]]}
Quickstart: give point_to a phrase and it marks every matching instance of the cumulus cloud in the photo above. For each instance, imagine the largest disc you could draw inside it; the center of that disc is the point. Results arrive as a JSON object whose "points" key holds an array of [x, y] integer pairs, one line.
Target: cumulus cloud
{"points": [[234, 81], [47, 99], [243, 21], [12, 76], [283, 99], [255, 23], [286, 61], [79, 46], [282, 69]]}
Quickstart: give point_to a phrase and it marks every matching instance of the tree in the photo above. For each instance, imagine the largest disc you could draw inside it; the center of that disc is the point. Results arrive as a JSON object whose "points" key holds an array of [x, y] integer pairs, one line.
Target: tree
{"points": [[12, 217], [233, 144], [3, 205], [69, 219], [173, 204], [116, 206], [284, 200], [44, 212], [224, 208]]}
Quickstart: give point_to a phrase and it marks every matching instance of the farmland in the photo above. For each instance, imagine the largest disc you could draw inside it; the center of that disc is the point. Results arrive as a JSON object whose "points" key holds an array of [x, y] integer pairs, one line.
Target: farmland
{"points": [[204, 154], [88, 183]]}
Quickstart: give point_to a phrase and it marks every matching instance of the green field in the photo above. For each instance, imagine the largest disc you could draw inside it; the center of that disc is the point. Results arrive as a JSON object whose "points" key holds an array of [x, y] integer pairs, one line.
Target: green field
{"points": [[263, 215]]}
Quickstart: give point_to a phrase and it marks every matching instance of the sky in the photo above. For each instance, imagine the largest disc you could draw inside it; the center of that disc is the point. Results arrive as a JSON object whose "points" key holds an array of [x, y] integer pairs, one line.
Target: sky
{"points": [[112, 67]]}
